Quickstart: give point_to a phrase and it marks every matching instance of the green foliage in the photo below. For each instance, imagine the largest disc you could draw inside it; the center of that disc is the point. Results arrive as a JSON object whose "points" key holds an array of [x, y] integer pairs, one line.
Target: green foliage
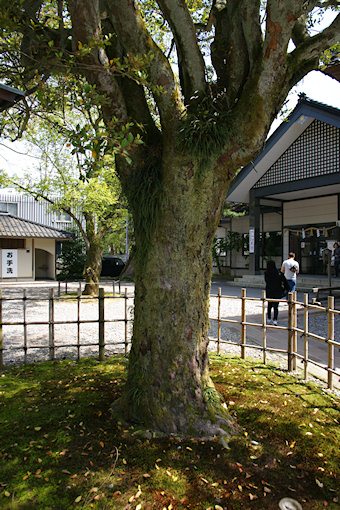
{"points": [[223, 245], [71, 261], [145, 194], [205, 129]]}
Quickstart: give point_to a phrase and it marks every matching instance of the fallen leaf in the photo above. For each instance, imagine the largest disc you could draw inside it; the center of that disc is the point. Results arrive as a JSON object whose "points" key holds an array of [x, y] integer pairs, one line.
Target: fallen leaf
{"points": [[77, 499]]}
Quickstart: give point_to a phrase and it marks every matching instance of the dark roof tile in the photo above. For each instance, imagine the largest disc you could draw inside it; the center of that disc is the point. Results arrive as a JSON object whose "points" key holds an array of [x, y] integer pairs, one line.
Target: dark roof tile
{"points": [[11, 226]]}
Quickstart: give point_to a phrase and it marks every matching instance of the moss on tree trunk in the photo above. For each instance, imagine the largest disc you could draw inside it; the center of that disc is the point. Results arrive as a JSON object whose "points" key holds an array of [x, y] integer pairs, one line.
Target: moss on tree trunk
{"points": [[168, 386]]}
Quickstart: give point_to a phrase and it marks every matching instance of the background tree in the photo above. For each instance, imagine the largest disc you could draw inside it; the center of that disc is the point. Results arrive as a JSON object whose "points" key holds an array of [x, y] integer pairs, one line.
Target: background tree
{"points": [[76, 172], [71, 260], [202, 124]]}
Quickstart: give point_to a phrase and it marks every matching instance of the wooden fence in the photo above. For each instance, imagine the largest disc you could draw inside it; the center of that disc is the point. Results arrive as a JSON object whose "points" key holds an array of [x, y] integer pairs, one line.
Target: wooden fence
{"points": [[101, 342], [292, 331]]}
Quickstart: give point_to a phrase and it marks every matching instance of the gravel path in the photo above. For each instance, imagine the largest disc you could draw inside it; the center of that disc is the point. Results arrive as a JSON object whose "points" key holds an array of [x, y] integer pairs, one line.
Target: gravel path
{"points": [[66, 334]]}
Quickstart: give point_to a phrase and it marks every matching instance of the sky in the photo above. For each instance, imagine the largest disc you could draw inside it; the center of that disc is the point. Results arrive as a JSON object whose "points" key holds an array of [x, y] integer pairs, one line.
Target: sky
{"points": [[316, 86]]}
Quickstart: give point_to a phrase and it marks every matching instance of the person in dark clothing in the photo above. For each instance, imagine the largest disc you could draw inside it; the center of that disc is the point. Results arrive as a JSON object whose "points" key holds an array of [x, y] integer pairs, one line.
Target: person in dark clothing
{"points": [[273, 290], [336, 255]]}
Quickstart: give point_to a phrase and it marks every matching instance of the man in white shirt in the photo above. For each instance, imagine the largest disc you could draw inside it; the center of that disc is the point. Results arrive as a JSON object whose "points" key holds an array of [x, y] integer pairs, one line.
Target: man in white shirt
{"points": [[290, 269]]}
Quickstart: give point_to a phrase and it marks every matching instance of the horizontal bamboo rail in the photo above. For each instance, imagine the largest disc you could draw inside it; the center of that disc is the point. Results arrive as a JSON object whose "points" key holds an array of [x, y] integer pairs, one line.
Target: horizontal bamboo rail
{"points": [[292, 330], [101, 342]]}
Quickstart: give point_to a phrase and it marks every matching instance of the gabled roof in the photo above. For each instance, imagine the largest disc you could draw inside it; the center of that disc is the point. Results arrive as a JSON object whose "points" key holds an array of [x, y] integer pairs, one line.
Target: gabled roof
{"points": [[11, 226], [302, 116], [9, 96]]}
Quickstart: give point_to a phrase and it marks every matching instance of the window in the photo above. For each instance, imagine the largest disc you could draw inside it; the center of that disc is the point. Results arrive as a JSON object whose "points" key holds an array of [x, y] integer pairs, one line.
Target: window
{"points": [[271, 244], [63, 217], [9, 207]]}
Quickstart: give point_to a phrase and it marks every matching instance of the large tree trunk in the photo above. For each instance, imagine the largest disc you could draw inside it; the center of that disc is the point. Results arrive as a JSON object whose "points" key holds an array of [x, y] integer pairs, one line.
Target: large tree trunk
{"points": [[168, 387]]}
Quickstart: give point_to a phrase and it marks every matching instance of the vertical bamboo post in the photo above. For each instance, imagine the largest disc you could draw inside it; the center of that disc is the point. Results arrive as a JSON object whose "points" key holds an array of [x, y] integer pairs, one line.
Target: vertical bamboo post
{"points": [[25, 324], [264, 329], [218, 320], [78, 322], [294, 330], [51, 325], [330, 340], [290, 331], [1, 334], [125, 320], [305, 336], [101, 325], [243, 326]]}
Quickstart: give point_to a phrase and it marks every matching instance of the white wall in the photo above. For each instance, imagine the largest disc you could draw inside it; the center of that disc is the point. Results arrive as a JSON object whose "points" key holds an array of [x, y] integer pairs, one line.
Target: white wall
{"points": [[312, 211]]}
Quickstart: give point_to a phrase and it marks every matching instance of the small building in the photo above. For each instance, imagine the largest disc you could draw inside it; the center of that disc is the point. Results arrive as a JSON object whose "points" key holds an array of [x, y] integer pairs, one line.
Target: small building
{"points": [[292, 190], [28, 249]]}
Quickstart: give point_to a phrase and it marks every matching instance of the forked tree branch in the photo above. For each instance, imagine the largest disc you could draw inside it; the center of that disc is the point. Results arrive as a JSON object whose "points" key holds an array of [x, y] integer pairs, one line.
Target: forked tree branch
{"points": [[190, 59]]}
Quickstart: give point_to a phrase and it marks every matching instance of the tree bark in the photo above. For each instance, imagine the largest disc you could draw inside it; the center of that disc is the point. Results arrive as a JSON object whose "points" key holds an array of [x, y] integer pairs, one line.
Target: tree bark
{"points": [[94, 256], [168, 386]]}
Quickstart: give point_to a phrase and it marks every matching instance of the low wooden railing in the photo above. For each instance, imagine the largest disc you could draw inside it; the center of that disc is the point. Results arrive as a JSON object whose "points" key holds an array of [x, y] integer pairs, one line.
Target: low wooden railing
{"points": [[100, 341], [292, 331], [289, 347]]}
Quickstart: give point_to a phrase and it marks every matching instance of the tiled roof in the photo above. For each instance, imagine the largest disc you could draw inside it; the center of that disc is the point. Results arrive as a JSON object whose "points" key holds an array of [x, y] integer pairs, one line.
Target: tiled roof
{"points": [[11, 226]]}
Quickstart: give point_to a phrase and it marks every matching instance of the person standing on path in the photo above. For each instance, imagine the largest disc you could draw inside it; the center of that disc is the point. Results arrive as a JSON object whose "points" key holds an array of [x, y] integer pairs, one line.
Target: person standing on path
{"points": [[290, 268], [336, 255], [273, 290]]}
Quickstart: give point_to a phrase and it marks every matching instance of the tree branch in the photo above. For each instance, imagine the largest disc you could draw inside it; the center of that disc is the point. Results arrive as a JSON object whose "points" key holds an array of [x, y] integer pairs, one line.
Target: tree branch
{"points": [[136, 40], [86, 29], [311, 48], [190, 59]]}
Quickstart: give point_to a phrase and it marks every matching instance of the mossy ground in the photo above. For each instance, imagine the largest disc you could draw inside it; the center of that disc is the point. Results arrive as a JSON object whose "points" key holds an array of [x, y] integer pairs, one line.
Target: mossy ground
{"points": [[60, 449]]}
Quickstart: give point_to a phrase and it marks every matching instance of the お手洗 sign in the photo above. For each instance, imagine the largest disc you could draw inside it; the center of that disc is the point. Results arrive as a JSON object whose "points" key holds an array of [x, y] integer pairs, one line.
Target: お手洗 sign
{"points": [[9, 263]]}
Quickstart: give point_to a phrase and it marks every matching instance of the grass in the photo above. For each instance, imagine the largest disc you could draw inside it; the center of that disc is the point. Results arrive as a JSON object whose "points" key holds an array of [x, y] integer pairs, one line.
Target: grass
{"points": [[60, 449]]}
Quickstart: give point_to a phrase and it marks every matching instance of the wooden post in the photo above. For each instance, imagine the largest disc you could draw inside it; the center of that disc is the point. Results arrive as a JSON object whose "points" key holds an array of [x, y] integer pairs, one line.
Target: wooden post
{"points": [[264, 329], [330, 339], [290, 331], [101, 325], [294, 330], [113, 288], [78, 321], [218, 320], [25, 324], [305, 336], [243, 326], [51, 325], [59, 283], [125, 319], [1, 334]]}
